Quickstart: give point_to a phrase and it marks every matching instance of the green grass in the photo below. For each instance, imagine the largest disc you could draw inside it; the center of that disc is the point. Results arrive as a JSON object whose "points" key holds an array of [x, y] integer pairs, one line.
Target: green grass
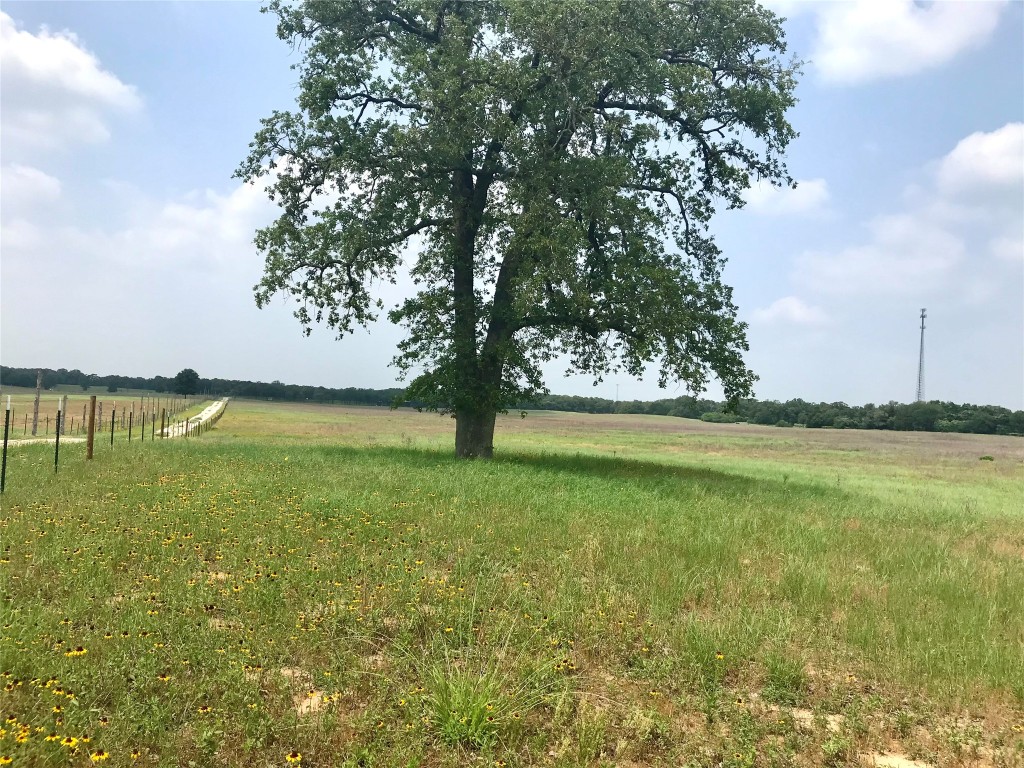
{"points": [[331, 582]]}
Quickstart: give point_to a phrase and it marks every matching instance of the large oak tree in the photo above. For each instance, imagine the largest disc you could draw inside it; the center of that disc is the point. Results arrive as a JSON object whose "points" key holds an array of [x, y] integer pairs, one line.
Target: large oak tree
{"points": [[553, 164]]}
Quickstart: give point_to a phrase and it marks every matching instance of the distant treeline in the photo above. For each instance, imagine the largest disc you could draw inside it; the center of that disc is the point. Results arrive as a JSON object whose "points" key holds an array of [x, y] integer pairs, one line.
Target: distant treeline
{"points": [[275, 390], [934, 416]]}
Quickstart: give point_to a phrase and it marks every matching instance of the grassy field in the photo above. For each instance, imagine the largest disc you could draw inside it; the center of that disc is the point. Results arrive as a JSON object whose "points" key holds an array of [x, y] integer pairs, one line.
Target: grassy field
{"points": [[326, 586]]}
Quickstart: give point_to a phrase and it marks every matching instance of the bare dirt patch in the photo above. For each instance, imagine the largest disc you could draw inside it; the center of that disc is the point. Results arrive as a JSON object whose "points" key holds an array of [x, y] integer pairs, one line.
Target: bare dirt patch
{"points": [[310, 702], [893, 761]]}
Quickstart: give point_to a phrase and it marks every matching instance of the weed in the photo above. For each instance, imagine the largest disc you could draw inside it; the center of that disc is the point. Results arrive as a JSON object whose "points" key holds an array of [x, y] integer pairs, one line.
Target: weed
{"points": [[466, 707], [785, 679], [905, 722], [837, 750]]}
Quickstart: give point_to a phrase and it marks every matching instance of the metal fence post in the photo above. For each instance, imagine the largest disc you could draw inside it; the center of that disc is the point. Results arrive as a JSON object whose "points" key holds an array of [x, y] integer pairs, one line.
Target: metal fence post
{"points": [[7, 428], [56, 435]]}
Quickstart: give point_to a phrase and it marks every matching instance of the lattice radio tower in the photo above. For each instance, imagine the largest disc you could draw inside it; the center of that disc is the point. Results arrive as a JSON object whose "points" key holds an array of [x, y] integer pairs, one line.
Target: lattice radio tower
{"points": [[920, 363]]}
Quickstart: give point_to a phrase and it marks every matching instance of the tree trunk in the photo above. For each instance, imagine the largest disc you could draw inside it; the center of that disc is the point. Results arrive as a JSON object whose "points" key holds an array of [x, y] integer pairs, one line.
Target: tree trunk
{"points": [[474, 434]]}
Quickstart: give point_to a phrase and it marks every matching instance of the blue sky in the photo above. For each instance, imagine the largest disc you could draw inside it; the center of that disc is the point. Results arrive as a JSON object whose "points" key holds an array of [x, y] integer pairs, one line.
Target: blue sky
{"points": [[125, 245]]}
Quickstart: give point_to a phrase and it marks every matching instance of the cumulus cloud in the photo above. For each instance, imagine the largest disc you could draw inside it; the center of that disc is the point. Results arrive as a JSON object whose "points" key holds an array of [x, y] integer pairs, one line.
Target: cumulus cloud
{"points": [[791, 309], [1009, 248], [23, 187], [953, 226], [56, 93], [202, 232], [904, 254], [810, 196], [18, 236], [869, 40], [985, 161]]}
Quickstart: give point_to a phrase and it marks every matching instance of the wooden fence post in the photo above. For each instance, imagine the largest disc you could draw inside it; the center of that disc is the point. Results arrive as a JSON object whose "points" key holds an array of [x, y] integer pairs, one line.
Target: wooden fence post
{"points": [[91, 433], [35, 406]]}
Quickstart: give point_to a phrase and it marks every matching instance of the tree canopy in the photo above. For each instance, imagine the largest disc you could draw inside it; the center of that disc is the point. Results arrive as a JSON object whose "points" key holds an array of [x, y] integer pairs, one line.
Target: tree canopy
{"points": [[186, 382], [550, 167]]}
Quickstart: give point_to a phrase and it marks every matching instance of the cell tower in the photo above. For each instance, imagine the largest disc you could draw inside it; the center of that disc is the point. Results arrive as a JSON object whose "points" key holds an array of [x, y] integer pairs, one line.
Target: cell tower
{"points": [[920, 363]]}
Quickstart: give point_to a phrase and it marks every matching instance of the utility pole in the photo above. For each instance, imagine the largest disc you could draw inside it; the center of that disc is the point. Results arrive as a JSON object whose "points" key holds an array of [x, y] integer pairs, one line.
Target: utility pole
{"points": [[920, 363]]}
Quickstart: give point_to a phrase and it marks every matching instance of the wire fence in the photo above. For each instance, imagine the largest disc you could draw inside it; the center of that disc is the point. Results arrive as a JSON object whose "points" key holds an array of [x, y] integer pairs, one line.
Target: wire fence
{"points": [[135, 410], [129, 423]]}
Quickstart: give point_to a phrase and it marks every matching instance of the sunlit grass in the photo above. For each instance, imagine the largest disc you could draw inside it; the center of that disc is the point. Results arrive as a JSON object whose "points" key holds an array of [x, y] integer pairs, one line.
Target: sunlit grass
{"points": [[250, 595]]}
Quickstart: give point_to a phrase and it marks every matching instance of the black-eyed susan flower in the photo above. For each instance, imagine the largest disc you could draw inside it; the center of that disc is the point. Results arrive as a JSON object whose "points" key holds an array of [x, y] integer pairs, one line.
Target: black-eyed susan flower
{"points": [[6, 759], [99, 756], [293, 757]]}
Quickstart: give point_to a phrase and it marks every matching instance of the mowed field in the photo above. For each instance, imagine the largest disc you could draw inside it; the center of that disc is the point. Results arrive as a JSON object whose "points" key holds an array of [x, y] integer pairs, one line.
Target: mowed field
{"points": [[327, 586]]}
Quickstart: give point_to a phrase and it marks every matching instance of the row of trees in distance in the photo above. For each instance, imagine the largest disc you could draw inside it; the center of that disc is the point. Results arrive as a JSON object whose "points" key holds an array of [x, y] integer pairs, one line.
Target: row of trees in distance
{"points": [[931, 416], [184, 383]]}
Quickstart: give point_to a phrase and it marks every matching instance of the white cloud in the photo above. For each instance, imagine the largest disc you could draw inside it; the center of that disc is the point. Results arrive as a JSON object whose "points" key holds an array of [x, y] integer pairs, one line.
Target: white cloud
{"points": [[19, 236], [1009, 248], [956, 229], [810, 196], [984, 161], [200, 234], [787, 8], [24, 187], [905, 254], [868, 40], [791, 309], [55, 91]]}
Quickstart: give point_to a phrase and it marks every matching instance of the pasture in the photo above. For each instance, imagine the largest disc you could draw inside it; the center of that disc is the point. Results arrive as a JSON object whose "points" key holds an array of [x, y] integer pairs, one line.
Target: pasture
{"points": [[327, 586]]}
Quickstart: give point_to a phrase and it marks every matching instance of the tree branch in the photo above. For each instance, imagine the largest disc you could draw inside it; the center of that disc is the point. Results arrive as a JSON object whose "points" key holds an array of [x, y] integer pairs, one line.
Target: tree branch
{"points": [[411, 26], [588, 324], [369, 98]]}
